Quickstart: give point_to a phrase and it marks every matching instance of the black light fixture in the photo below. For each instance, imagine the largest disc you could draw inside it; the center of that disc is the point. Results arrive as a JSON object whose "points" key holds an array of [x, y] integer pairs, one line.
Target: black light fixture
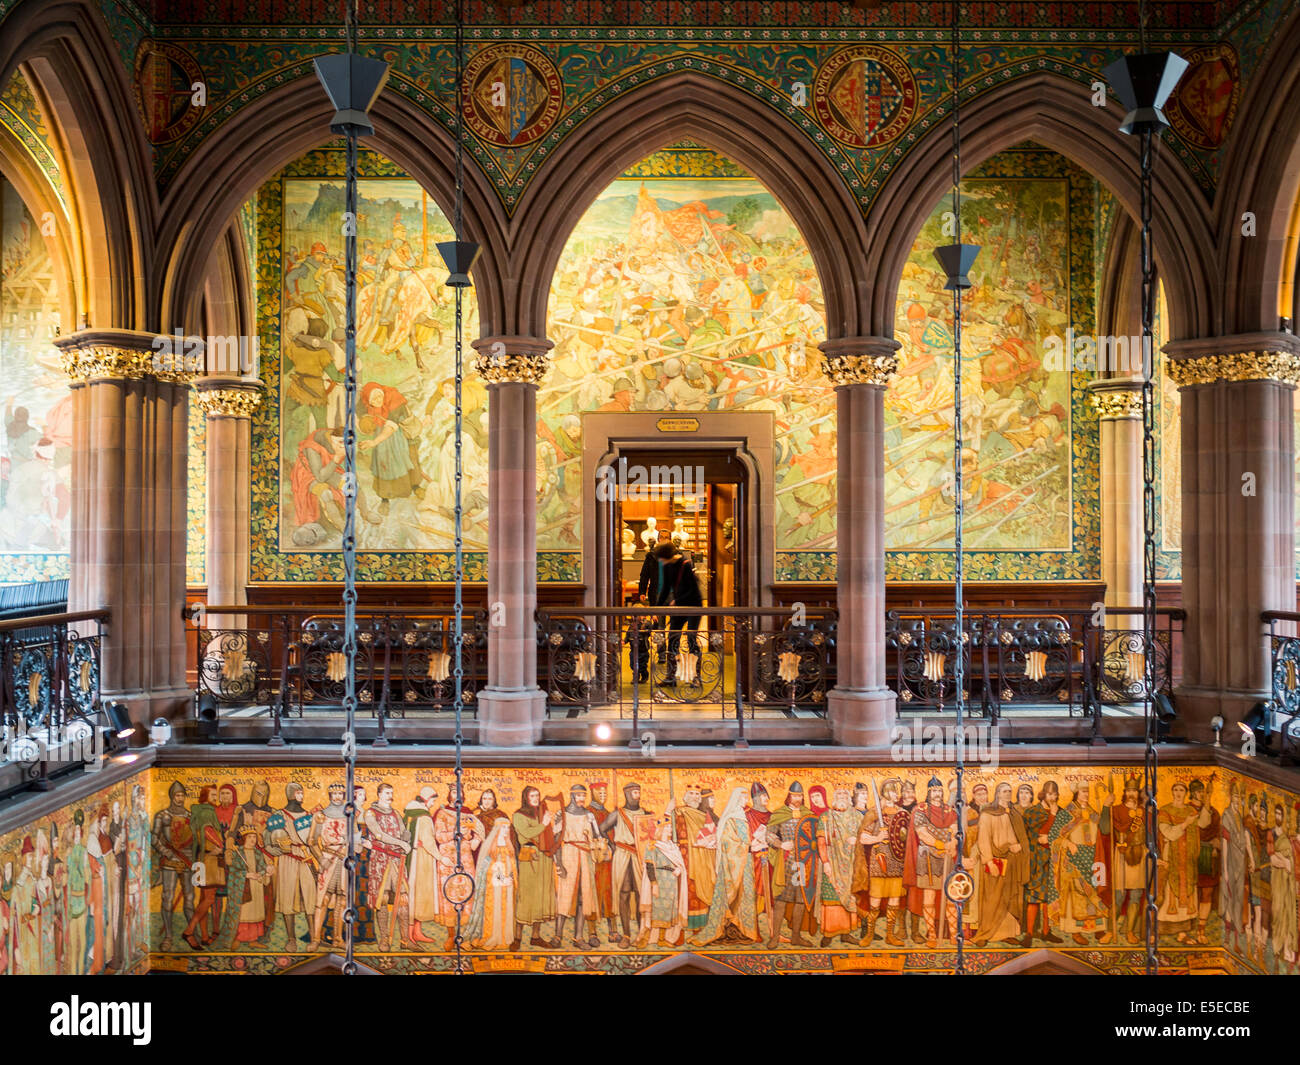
{"points": [[207, 714], [1143, 83], [353, 83], [120, 726]]}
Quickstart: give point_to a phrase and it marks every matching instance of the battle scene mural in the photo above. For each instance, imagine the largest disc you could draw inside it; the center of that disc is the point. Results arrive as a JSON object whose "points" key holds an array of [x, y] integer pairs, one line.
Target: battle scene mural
{"points": [[74, 887], [36, 467], [834, 869]]}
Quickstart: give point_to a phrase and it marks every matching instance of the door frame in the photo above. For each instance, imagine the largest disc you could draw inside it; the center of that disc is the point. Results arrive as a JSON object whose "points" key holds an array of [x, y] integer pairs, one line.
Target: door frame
{"points": [[748, 435]]}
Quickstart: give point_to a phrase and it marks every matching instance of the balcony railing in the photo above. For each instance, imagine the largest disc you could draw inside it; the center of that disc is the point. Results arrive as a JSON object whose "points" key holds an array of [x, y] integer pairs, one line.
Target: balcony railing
{"points": [[290, 661], [49, 681], [1061, 658], [639, 662]]}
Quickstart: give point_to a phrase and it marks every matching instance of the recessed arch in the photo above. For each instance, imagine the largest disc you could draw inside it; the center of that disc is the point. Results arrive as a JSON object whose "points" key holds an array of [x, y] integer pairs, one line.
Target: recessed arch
{"points": [[688, 106], [1056, 114], [1261, 174], [71, 60], [230, 164]]}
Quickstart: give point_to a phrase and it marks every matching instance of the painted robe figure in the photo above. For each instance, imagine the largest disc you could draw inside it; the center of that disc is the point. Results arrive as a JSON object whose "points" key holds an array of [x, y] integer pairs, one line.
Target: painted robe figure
{"points": [[1122, 853], [837, 837], [731, 911], [444, 831], [491, 924], [1180, 847], [1003, 868], [1044, 824], [535, 902], [664, 892], [697, 836], [1281, 859], [295, 865], [386, 889], [1083, 912], [1235, 870], [424, 883], [250, 907]]}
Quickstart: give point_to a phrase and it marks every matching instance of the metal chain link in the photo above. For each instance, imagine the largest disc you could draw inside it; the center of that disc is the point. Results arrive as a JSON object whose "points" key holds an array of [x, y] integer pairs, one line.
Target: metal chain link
{"points": [[1151, 760]]}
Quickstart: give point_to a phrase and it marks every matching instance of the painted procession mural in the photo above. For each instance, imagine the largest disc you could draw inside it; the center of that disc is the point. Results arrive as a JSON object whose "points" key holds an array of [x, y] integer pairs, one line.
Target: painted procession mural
{"points": [[773, 869], [35, 405], [74, 887]]}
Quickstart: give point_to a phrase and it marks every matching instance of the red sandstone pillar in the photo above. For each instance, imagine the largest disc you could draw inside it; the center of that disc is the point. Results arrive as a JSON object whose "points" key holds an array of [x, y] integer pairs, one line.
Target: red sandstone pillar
{"points": [[132, 432], [1118, 401], [861, 707], [229, 403], [512, 707], [1238, 530]]}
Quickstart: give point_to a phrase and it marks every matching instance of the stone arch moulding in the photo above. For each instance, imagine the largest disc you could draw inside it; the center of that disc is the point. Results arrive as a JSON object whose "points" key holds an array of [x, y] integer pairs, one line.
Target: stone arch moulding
{"points": [[229, 165], [72, 63], [688, 106], [1057, 114], [1261, 174], [1044, 962], [34, 190]]}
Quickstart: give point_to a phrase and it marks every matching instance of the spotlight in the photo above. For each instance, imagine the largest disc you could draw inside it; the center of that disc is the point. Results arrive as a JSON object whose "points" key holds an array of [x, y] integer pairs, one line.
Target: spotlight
{"points": [[603, 733], [120, 727], [161, 732], [206, 713], [1216, 723]]}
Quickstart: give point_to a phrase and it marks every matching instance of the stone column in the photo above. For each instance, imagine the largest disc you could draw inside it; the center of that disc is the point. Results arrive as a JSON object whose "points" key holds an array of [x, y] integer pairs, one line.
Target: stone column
{"points": [[1238, 454], [229, 403], [1118, 401], [129, 523], [512, 707], [861, 706]]}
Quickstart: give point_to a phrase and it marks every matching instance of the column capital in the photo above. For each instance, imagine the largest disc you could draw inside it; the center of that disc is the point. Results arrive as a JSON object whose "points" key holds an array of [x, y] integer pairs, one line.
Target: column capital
{"points": [[860, 360], [1264, 356], [503, 359], [220, 396], [127, 355], [1117, 397]]}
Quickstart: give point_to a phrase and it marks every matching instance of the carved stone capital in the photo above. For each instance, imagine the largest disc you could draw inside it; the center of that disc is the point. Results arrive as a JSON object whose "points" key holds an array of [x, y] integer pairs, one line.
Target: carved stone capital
{"points": [[219, 397], [1117, 397], [860, 360], [1269, 356], [503, 359], [122, 355]]}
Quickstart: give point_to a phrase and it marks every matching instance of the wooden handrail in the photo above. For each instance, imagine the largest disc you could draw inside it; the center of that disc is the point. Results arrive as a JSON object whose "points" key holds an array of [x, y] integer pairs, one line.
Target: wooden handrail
{"points": [[39, 621], [1280, 615]]}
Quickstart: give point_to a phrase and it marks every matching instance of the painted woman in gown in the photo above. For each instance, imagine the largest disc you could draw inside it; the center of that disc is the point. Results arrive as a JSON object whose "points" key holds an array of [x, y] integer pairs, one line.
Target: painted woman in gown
{"points": [[664, 890], [492, 918], [733, 886]]}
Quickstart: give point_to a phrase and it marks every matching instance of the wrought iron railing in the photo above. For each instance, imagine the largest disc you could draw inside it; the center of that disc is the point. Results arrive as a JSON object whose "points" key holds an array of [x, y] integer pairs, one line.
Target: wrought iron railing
{"points": [[290, 660], [49, 681], [639, 660], [1013, 658], [1284, 658]]}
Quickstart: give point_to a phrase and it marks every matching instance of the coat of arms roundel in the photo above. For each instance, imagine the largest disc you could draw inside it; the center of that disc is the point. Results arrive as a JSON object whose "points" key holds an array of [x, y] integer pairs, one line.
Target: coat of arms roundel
{"points": [[513, 94], [864, 95]]}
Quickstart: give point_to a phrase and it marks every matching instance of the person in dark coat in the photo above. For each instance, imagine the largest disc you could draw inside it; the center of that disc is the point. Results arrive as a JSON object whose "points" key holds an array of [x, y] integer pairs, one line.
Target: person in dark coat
{"points": [[677, 586]]}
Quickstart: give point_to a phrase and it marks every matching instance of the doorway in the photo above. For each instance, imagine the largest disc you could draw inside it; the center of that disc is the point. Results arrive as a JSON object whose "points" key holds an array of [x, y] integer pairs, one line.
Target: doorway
{"points": [[695, 499]]}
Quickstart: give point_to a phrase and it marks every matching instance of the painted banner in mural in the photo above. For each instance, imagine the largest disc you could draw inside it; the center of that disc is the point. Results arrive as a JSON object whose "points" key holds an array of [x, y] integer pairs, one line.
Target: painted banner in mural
{"points": [[74, 887], [689, 293], [806, 869], [406, 366], [1016, 414], [35, 469]]}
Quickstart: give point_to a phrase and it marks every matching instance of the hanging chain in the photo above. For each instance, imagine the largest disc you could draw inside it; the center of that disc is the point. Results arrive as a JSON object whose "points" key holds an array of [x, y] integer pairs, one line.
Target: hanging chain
{"points": [[1151, 762], [457, 511], [959, 569], [350, 545]]}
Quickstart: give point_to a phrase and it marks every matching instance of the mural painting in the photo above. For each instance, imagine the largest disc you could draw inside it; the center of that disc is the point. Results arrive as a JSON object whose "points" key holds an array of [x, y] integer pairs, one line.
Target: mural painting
{"points": [[35, 470], [405, 327], [775, 869], [689, 293], [74, 887]]}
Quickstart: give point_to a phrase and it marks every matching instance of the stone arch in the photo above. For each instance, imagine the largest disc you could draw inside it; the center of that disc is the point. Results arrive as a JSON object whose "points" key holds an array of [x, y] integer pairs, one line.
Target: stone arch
{"points": [[229, 165], [1044, 962], [689, 964], [692, 106], [1261, 174], [1055, 113], [18, 168], [72, 63]]}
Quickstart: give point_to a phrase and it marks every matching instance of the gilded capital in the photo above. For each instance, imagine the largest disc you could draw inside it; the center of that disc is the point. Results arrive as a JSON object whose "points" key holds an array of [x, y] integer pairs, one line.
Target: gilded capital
{"points": [[230, 402], [1118, 402], [1283, 366], [512, 359], [120, 355], [860, 360]]}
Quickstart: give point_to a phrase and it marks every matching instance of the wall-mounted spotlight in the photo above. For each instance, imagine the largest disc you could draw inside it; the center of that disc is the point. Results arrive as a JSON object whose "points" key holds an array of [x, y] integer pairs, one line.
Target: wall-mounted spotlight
{"points": [[603, 732], [120, 726], [207, 715], [160, 733]]}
